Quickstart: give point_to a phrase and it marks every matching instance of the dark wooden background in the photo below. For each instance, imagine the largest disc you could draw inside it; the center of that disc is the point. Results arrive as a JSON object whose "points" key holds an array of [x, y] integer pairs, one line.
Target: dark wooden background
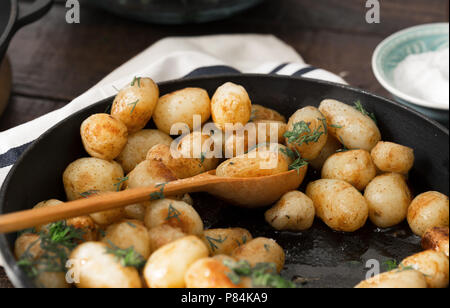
{"points": [[54, 62]]}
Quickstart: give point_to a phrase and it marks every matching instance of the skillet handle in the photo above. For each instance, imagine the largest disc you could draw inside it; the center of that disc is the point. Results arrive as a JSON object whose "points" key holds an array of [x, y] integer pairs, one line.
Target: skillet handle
{"points": [[38, 9]]}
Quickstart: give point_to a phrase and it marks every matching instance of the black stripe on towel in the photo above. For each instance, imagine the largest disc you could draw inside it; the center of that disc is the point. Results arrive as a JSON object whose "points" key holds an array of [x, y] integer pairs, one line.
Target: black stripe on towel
{"points": [[278, 68], [304, 71], [10, 157], [212, 70]]}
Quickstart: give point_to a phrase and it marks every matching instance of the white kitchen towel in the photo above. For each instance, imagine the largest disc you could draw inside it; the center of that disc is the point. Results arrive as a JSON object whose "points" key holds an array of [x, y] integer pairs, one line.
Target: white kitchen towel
{"points": [[172, 58]]}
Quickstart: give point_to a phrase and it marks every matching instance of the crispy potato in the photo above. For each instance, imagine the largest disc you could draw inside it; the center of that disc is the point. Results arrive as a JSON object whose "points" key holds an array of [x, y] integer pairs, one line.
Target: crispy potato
{"points": [[230, 105], [355, 167], [392, 157], [263, 113], [407, 279], [209, 273], [103, 136], [106, 218], [433, 264], [138, 145], [338, 204], [307, 118], [428, 210], [164, 234], [261, 250], [200, 148], [87, 225], [295, 211], [98, 269], [129, 233], [388, 197], [28, 243], [91, 174], [46, 203], [354, 129], [168, 265], [437, 239], [177, 214], [225, 241], [180, 107], [330, 148], [134, 105]]}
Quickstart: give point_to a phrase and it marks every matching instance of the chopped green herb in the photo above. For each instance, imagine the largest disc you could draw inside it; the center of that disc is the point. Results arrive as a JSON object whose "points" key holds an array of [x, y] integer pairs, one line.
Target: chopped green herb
{"points": [[324, 124], [132, 225], [301, 133], [391, 264], [160, 194], [89, 193], [173, 213], [108, 108], [266, 247], [134, 105], [288, 152], [127, 257], [298, 163], [336, 126], [118, 185], [138, 80], [358, 106], [202, 158], [212, 242]]}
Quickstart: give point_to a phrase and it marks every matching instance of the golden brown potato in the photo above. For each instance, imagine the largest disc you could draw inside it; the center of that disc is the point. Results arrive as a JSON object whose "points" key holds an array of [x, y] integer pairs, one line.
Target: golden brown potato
{"points": [[392, 157], [403, 279], [437, 239], [134, 105], [307, 132], [167, 266], [225, 241], [389, 198], [180, 107], [433, 264], [28, 243], [295, 211], [209, 273], [330, 148], [261, 250], [428, 210], [200, 148], [177, 214], [51, 202], [129, 233], [106, 218], [138, 145], [263, 113], [164, 234], [354, 129], [103, 136], [355, 167], [91, 174], [97, 268], [87, 225], [51, 280], [230, 105], [338, 204]]}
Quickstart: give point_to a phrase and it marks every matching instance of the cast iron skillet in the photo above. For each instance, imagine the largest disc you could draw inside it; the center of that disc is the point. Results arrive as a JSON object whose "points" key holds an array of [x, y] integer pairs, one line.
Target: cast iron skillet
{"points": [[320, 256], [12, 19]]}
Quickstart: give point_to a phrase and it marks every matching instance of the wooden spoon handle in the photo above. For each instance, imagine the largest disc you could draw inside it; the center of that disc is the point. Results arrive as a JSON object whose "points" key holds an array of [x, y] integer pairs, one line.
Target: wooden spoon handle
{"points": [[30, 218]]}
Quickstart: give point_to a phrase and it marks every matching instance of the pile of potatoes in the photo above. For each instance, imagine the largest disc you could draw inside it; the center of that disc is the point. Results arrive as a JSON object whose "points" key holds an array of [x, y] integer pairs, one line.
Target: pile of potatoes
{"points": [[363, 178]]}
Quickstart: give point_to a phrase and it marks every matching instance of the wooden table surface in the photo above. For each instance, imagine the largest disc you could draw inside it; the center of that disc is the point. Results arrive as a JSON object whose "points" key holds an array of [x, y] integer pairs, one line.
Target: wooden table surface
{"points": [[54, 62]]}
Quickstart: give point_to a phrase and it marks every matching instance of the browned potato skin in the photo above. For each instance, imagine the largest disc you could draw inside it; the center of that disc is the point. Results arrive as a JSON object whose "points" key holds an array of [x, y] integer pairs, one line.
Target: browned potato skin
{"points": [[428, 210], [138, 145], [51, 202], [108, 217], [89, 174], [164, 234], [392, 157], [208, 273], [225, 241], [87, 225], [338, 204], [263, 113], [261, 250], [437, 239], [146, 93], [103, 136], [355, 167], [433, 264], [409, 279], [30, 242], [330, 148], [313, 116], [186, 149]]}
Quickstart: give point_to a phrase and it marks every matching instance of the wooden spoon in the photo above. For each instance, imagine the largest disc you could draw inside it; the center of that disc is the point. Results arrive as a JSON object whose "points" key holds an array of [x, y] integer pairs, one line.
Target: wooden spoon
{"points": [[243, 192]]}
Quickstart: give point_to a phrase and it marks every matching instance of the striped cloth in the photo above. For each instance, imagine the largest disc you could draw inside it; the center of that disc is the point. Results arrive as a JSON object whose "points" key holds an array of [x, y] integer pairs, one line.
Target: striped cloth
{"points": [[168, 59]]}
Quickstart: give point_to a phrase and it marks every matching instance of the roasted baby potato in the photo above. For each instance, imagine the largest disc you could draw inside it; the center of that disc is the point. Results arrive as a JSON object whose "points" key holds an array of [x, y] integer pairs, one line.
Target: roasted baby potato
{"points": [[85, 224], [437, 239], [167, 266], [354, 129], [263, 113], [200, 148], [177, 214], [389, 198], [209, 273], [97, 268], [396, 279], [164, 234], [295, 211], [28, 243], [355, 167], [91, 174], [428, 210], [330, 148], [181, 107], [134, 105], [392, 157], [433, 265], [105, 218], [46, 203], [138, 145], [230, 105], [338, 204], [103, 136], [261, 250], [225, 241], [307, 132]]}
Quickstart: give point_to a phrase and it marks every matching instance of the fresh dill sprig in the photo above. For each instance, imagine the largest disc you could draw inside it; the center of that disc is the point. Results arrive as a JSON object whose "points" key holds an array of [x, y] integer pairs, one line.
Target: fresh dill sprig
{"points": [[59, 233], [358, 106], [138, 80], [298, 163], [301, 133], [118, 185], [336, 126], [173, 213], [391, 264], [134, 106], [202, 158], [288, 152], [214, 241], [159, 194], [89, 193], [127, 257]]}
